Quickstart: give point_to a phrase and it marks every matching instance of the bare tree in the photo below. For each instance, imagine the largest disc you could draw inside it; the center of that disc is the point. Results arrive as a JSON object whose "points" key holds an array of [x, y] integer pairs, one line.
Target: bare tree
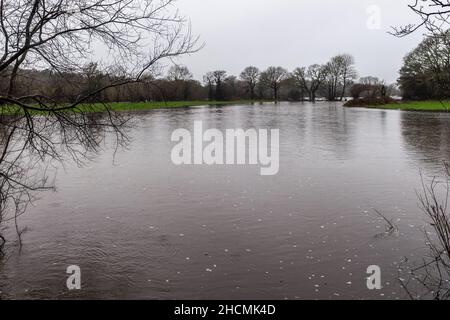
{"points": [[182, 77], [208, 79], [348, 72], [333, 77], [273, 77], [310, 79], [370, 81], [372, 86], [219, 76], [61, 35], [432, 276], [340, 74], [250, 76], [179, 73], [433, 14]]}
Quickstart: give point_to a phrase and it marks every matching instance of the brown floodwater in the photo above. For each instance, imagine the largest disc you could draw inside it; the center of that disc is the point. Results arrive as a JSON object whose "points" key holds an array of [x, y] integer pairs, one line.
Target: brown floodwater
{"points": [[140, 227]]}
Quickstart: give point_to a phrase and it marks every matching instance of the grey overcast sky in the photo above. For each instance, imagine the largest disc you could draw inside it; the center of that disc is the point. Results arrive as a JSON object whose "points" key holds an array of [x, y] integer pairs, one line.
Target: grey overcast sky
{"points": [[293, 33]]}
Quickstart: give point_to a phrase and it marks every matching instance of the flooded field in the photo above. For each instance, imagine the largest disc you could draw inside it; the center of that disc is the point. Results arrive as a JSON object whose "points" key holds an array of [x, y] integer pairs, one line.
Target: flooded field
{"points": [[141, 227]]}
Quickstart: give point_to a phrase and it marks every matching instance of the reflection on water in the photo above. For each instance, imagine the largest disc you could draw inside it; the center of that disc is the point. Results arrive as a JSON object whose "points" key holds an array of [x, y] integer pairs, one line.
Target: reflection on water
{"points": [[140, 227], [428, 139]]}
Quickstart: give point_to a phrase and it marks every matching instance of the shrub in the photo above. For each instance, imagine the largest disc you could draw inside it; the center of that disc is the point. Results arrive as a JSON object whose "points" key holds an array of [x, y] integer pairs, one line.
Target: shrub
{"points": [[367, 102]]}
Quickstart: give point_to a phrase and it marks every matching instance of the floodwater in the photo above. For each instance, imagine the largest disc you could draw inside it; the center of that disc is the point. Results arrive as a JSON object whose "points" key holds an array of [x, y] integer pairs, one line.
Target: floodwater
{"points": [[140, 227]]}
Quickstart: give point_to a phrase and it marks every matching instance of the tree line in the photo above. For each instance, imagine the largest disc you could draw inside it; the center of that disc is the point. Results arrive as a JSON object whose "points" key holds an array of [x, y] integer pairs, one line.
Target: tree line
{"points": [[334, 81]]}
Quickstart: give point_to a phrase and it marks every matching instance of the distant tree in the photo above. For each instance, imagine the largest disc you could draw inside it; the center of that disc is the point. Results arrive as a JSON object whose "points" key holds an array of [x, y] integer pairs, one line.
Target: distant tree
{"points": [[349, 73], [231, 88], [334, 72], [311, 79], [208, 79], [357, 90], [179, 73], [371, 86], [181, 76], [426, 70], [92, 81], [250, 76], [218, 77], [273, 78], [291, 91], [340, 74], [370, 81]]}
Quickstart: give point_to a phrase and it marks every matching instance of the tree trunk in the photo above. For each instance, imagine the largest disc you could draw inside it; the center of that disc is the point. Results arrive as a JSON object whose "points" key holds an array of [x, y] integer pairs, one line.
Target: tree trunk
{"points": [[186, 90], [344, 87], [210, 92]]}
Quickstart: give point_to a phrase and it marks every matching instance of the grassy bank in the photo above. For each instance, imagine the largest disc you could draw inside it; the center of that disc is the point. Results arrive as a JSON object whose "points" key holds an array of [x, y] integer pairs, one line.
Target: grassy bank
{"points": [[420, 106], [136, 106], [434, 106], [130, 106]]}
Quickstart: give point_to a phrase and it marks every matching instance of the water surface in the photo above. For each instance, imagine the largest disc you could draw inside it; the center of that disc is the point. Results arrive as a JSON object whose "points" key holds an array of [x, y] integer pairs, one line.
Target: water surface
{"points": [[141, 227]]}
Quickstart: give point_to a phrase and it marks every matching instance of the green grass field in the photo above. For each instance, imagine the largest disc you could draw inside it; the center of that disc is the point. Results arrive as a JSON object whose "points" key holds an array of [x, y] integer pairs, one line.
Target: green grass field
{"points": [[130, 106], [436, 106], [135, 106]]}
